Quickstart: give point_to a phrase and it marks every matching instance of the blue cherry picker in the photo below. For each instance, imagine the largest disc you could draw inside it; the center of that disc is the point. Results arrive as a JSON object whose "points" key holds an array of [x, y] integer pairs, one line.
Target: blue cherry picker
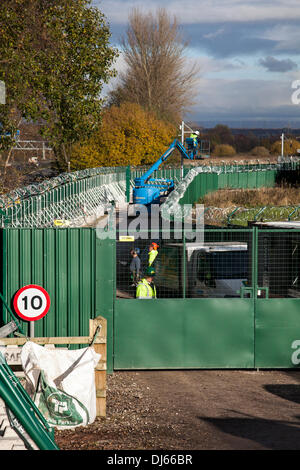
{"points": [[148, 190]]}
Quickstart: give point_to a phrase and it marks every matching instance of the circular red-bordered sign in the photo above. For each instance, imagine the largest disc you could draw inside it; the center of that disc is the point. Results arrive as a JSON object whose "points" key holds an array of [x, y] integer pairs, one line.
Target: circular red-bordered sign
{"points": [[32, 302]]}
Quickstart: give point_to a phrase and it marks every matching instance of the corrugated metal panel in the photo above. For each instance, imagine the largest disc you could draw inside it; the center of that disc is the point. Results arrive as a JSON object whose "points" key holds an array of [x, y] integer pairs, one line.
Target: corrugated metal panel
{"points": [[203, 183], [105, 290], [63, 262]]}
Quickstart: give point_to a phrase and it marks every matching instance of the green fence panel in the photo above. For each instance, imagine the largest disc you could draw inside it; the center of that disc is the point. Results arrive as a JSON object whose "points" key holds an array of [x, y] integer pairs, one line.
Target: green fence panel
{"points": [[277, 333], [50, 277], [105, 289], [75, 267], [229, 177], [251, 180], [234, 180], [202, 184], [63, 262], [184, 333], [222, 181]]}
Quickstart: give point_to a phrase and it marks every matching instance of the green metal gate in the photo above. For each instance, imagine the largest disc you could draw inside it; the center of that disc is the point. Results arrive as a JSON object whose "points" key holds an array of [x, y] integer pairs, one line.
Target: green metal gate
{"points": [[184, 333], [261, 329], [277, 318], [258, 329]]}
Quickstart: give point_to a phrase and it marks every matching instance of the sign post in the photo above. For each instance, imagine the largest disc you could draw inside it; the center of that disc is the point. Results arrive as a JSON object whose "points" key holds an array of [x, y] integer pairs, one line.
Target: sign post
{"points": [[31, 303]]}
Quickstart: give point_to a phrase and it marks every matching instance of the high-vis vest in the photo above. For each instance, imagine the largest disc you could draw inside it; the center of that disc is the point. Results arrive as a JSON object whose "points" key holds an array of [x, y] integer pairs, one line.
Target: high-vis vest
{"points": [[145, 291], [152, 255], [194, 136]]}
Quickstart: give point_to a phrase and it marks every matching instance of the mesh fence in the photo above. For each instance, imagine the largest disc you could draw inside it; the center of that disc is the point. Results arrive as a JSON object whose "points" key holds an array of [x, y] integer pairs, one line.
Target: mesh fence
{"points": [[226, 264], [73, 197], [70, 199], [216, 266], [278, 262], [241, 216]]}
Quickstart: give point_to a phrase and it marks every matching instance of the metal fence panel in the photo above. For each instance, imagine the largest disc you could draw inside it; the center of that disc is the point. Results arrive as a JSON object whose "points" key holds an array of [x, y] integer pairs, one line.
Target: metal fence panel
{"points": [[278, 261], [105, 290], [277, 317], [252, 326], [63, 262], [187, 326], [215, 265], [190, 333], [277, 338]]}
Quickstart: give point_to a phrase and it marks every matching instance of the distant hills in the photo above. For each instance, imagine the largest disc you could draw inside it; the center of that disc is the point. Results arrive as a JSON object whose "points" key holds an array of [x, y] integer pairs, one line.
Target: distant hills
{"points": [[275, 126], [265, 132]]}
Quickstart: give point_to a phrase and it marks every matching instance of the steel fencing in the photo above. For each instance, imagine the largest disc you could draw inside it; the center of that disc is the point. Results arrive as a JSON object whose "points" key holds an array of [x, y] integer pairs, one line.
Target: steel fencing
{"points": [[257, 261], [67, 199], [71, 198]]}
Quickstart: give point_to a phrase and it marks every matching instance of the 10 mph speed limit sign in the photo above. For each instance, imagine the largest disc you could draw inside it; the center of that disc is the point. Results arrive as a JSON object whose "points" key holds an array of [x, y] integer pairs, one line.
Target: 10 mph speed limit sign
{"points": [[32, 302]]}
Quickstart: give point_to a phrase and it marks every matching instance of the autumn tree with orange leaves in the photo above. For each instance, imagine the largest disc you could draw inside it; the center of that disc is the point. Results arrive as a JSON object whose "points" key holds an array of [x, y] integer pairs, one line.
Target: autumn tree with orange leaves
{"points": [[128, 135]]}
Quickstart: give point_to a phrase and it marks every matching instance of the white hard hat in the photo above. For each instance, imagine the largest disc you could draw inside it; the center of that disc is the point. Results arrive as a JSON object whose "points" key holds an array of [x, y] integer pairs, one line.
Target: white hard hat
{"points": [[197, 132]]}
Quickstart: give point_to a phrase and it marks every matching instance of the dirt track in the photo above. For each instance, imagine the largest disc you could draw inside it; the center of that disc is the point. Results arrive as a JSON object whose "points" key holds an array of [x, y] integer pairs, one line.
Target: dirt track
{"points": [[195, 410]]}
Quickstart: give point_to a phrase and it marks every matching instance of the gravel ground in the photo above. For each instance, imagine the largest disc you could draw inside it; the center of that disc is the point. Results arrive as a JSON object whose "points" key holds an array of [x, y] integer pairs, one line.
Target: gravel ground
{"points": [[131, 421], [194, 410]]}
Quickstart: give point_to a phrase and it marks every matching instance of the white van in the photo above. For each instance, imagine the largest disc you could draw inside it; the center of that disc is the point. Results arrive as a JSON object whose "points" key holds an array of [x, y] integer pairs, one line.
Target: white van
{"points": [[211, 270]]}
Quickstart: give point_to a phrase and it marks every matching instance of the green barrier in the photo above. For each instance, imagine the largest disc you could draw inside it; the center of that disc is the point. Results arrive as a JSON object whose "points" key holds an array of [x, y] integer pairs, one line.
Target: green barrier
{"points": [[277, 339], [184, 333]]}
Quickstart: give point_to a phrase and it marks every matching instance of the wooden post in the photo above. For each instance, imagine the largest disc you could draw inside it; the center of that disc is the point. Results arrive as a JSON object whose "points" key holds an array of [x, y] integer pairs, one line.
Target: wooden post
{"points": [[99, 346]]}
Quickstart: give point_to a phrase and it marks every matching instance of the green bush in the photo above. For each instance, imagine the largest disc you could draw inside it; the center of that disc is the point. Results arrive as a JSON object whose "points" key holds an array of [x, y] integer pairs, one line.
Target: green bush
{"points": [[290, 147], [260, 152], [224, 150]]}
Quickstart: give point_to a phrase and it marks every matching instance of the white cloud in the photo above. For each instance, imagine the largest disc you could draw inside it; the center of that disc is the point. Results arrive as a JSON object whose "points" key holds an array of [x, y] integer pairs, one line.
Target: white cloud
{"points": [[243, 92], [287, 37], [243, 96], [209, 65], [207, 11], [214, 34]]}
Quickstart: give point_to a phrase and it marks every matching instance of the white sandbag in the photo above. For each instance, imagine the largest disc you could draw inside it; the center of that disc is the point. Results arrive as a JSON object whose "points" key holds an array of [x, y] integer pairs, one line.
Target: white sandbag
{"points": [[64, 383]]}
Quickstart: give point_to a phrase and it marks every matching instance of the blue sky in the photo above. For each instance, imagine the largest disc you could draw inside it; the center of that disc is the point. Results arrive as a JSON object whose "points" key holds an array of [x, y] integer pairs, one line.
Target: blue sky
{"points": [[248, 52]]}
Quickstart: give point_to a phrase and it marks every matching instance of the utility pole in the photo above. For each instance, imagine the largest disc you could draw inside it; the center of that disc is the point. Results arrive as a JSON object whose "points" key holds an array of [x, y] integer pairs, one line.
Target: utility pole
{"points": [[282, 145], [2, 92], [182, 141]]}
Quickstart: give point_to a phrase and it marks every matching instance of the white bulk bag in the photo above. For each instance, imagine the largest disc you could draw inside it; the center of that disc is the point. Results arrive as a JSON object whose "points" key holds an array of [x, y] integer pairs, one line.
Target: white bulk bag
{"points": [[64, 383]]}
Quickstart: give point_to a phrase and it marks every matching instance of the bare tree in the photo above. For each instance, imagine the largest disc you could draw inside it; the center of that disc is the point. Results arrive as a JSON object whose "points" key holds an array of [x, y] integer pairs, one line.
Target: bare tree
{"points": [[158, 75]]}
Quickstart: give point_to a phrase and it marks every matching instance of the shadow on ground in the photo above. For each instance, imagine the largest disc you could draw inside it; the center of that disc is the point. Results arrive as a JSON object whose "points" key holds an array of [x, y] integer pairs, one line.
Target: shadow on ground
{"points": [[289, 392], [269, 434]]}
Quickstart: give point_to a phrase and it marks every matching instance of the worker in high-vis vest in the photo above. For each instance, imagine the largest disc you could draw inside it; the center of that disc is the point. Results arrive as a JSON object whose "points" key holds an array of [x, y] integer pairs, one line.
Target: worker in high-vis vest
{"points": [[152, 253], [195, 138], [145, 288]]}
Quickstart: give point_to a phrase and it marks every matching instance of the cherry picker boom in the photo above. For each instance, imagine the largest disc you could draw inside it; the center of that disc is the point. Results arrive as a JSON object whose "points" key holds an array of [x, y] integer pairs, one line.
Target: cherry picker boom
{"points": [[148, 190]]}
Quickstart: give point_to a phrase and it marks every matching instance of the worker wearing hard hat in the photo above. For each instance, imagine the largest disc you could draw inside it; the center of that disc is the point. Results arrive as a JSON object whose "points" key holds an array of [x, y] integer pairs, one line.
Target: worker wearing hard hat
{"points": [[152, 253], [145, 288], [194, 136]]}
